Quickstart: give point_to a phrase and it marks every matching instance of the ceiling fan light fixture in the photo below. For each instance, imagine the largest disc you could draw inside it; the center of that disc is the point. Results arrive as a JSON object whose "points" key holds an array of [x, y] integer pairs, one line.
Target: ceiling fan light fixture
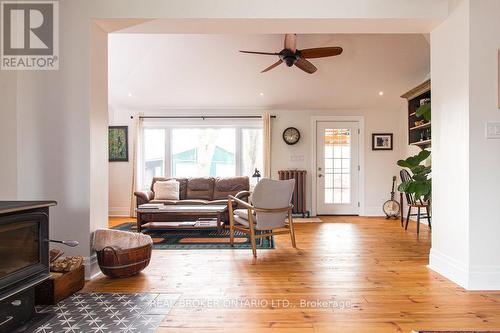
{"points": [[291, 56]]}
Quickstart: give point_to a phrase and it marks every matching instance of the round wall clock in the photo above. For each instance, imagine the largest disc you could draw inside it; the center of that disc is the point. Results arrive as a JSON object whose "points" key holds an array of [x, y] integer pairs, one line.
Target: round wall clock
{"points": [[291, 135]]}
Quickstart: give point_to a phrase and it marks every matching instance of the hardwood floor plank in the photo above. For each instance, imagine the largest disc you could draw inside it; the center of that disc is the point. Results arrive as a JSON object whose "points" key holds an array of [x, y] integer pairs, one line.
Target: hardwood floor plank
{"points": [[374, 270]]}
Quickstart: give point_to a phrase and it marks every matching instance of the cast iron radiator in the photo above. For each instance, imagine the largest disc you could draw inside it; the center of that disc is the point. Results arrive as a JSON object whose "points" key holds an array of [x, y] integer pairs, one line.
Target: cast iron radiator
{"points": [[299, 192]]}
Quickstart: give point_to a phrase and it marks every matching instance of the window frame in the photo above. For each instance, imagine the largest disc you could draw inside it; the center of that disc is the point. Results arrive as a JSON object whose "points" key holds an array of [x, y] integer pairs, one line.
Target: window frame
{"points": [[238, 126]]}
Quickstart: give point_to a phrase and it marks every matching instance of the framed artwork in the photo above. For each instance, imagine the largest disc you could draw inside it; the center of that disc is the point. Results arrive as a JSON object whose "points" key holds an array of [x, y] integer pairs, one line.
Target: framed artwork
{"points": [[118, 143], [382, 141]]}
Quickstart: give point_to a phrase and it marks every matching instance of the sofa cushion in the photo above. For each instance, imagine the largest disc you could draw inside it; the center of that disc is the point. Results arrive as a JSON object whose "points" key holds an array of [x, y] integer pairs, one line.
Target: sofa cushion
{"points": [[182, 185], [229, 186], [166, 190], [200, 188]]}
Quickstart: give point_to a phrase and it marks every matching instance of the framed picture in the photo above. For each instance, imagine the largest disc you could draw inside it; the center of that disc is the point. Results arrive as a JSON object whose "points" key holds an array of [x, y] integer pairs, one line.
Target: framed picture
{"points": [[118, 143], [382, 141]]}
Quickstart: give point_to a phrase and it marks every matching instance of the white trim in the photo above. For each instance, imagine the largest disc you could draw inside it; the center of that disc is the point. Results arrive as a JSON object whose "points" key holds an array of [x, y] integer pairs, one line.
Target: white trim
{"points": [[484, 277], [374, 211], [119, 211], [92, 269], [448, 267], [470, 277], [361, 152]]}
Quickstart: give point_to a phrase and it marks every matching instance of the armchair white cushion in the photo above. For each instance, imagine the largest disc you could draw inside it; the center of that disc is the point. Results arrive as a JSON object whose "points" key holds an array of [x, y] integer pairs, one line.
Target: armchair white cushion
{"points": [[271, 204], [241, 217], [271, 194]]}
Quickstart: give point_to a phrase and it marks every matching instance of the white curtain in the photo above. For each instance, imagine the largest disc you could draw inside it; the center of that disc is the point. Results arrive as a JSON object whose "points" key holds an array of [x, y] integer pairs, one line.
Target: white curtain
{"points": [[266, 141], [137, 128]]}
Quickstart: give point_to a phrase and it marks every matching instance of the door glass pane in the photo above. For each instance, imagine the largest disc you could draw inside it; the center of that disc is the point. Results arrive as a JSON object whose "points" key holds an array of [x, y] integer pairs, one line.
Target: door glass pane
{"points": [[154, 154], [337, 154], [202, 152]]}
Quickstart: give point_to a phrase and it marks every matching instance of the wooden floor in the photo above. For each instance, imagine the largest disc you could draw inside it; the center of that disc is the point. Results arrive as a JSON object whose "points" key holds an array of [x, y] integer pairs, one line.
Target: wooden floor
{"points": [[350, 274]]}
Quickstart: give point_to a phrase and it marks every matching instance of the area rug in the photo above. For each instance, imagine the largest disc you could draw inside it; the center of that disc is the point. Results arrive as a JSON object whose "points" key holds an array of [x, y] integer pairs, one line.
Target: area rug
{"points": [[198, 239], [107, 312]]}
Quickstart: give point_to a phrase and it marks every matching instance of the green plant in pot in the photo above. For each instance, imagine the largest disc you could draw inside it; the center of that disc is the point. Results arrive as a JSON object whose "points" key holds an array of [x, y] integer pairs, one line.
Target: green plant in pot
{"points": [[420, 183], [424, 111]]}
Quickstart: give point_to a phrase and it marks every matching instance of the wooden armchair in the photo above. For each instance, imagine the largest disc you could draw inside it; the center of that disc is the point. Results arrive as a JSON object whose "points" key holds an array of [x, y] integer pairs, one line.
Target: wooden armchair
{"points": [[265, 216]]}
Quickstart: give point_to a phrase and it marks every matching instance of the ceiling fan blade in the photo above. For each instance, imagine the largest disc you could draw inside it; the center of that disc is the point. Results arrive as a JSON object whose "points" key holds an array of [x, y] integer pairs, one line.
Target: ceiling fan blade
{"points": [[320, 52], [276, 64], [305, 65], [291, 42], [256, 52]]}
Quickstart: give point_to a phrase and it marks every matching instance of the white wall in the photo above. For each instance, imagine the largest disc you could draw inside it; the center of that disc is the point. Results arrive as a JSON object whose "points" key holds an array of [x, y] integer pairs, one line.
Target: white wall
{"points": [[380, 166], [464, 68], [484, 155], [120, 173], [8, 136], [450, 139]]}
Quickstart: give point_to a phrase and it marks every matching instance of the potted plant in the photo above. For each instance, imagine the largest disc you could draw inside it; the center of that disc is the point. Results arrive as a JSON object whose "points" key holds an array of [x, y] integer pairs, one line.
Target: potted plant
{"points": [[424, 111], [420, 183]]}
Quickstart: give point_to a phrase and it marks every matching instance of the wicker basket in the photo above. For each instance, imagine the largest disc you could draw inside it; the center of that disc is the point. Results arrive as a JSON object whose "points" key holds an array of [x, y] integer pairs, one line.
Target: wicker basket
{"points": [[118, 263]]}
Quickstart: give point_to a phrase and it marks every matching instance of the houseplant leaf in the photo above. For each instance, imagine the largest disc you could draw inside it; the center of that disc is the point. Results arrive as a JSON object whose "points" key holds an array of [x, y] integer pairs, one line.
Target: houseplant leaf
{"points": [[424, 111]]}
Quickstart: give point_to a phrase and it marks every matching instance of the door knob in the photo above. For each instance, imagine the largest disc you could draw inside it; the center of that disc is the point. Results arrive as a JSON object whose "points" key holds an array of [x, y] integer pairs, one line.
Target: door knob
{"points": [[320, 175], [319, 168]]}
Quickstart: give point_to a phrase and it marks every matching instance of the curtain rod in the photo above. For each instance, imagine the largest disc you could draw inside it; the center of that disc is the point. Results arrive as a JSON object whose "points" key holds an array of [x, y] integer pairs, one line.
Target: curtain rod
{"points": [[200, 117]]}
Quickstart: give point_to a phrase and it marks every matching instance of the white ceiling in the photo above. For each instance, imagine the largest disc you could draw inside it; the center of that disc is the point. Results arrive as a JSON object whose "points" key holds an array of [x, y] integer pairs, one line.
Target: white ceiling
{"points": [[155, 71]]}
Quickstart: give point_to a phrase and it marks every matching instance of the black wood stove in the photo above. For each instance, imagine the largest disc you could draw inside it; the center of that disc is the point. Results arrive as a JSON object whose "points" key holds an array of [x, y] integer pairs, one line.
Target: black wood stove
{"points": [[24, 260]]}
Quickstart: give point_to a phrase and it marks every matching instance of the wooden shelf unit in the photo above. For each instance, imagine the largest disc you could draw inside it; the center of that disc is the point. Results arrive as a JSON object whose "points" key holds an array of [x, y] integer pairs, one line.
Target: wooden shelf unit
{"points": [[413, 97], [424, 143], [426, 125]]}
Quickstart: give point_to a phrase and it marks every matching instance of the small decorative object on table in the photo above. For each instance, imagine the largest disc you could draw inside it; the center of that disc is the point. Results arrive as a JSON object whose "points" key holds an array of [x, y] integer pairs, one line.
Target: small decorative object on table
{"points": [[382, 141]]}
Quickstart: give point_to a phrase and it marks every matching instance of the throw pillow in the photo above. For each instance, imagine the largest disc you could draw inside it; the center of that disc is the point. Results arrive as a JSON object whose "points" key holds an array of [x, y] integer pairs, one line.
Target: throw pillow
{"points": [[167, 190]]}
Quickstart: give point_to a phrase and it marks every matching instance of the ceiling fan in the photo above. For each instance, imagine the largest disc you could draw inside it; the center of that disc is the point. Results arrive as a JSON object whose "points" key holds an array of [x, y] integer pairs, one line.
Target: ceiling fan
{"points": [[290, 55]]}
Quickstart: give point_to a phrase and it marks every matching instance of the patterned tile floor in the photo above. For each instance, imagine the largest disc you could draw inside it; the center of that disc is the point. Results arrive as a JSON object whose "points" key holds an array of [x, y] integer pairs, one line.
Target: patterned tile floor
{"points": [[108, 313]]}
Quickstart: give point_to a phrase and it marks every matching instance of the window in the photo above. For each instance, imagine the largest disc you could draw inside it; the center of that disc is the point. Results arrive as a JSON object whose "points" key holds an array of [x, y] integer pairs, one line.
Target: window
{"points": [[200, 151], [337, 166], [154, 153], [251, 141]]}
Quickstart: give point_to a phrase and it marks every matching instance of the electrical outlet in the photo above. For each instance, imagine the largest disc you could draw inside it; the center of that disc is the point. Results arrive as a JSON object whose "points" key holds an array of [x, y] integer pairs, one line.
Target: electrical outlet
{"points": [[493, 130]]}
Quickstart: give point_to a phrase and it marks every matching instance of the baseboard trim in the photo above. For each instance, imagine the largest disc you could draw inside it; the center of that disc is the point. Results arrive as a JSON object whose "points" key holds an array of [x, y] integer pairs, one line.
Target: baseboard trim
{"points": [[373, 211], [119, 211], [484, 278], [448, 267], [91, 267]]}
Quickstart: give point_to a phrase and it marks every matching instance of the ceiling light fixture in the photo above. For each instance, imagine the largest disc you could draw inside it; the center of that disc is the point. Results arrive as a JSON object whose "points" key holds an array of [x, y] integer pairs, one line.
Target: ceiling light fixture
{"points": [[129, 94], [381, 93], [261, 94]]}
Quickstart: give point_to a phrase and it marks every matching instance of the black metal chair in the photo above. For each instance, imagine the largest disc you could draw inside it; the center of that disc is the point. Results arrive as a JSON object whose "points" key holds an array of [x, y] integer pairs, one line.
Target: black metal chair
{"points": [[412, 203]]}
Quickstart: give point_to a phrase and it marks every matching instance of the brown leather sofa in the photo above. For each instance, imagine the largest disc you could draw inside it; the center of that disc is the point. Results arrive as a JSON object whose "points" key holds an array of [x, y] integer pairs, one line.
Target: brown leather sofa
{"points": [[200, 191]]}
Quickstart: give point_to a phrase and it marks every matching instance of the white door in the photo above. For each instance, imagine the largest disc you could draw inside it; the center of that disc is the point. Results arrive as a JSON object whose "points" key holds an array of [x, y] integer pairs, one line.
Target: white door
{"points": [[337, 168]]}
